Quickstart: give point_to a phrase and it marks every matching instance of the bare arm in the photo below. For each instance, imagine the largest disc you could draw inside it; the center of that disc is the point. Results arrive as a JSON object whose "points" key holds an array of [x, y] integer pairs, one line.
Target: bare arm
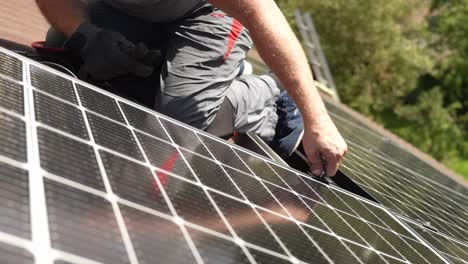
{"points": [[64, 15], [280, 49]]}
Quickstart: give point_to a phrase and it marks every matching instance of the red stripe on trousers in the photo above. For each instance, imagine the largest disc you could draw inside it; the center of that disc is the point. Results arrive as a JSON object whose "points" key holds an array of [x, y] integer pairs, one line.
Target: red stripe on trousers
{"points": [[236, 29]]}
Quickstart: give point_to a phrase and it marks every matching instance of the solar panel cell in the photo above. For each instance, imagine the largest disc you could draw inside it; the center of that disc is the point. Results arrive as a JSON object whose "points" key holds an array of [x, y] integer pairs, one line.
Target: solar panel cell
{"points": [[294, 239], [99, 103], [376, 238], [121, 139], [15, 255], [246, 223], [133, 182], [192, 204], [367, 255], [68, 158], [14, 202], [155, 239], [83, 224], [11, 67], [184, 137], [224, 153], [164, 156], [260, 168], [336, 224], [215, 250], [265, 258], [254, 191], [11, 96], [211, 174], [331, 246], [59, 115], [53, 84], [13, 134], [143, 121]]}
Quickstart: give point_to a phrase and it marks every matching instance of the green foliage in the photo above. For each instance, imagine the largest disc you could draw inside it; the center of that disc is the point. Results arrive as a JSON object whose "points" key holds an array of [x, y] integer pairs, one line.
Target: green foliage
{"points": [[375, 63], [404, 63], [451, 27], [459, 165], [431, 126]]}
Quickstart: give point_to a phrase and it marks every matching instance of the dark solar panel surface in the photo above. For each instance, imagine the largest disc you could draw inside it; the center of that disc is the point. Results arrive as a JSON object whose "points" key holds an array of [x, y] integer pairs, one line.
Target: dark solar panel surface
{"points": [[121, 184], [402, 182]]}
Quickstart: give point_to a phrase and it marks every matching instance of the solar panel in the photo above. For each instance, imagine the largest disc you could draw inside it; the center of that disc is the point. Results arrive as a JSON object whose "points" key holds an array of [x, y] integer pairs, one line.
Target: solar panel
{"points": [[88, 177], [402, 182]]}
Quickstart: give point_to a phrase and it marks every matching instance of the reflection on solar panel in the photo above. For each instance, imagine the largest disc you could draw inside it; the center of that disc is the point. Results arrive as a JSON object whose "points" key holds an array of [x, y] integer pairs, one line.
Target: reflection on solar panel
{"points": [[402, 182], [87, 177]]}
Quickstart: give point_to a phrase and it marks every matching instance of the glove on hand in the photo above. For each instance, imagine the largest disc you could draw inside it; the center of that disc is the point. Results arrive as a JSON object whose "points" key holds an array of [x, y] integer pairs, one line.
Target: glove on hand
{"points": [[107, 54]]}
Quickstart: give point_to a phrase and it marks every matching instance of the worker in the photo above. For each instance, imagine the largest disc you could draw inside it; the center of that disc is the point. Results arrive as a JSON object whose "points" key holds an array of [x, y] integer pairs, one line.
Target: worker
{"points": [[205, 44]]}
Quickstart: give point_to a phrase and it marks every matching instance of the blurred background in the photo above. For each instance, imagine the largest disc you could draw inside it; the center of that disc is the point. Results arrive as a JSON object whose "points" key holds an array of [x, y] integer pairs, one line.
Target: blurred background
{"points": [[402, 63]]}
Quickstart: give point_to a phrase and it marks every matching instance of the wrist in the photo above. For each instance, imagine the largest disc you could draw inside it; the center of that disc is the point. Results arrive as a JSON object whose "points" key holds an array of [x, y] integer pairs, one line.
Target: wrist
{"points": [[316, 119]]}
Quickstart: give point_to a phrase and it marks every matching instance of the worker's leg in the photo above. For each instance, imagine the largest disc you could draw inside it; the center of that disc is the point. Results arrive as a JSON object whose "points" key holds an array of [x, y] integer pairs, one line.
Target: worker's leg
{"points": [[205, 52]]}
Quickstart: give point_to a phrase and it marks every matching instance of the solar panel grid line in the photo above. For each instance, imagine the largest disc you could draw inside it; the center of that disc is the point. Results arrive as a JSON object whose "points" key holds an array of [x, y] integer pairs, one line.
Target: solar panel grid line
{"points": [[162, 189], [8, 78], [341, 239], [11, 113], [246, 198], [431, 231], [205, 134], [17, 241], [305, 233], [128, 203], [358, 233], [39, 217], [391, 231], [432, 234], [426, 214], [411, 231], [13, 162], [198, 227], [273, 253], [10, 63], [410, 171], [69, 258], [417, 201], [117, 214], [290, 216], [76, 185], [394, 163], [299, 196], [258, 210], [218, 210]]}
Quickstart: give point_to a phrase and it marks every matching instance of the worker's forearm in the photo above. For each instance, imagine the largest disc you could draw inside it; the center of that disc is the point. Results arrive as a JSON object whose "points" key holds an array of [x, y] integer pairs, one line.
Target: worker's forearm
{"points": [[280, 49], [64, 15]]}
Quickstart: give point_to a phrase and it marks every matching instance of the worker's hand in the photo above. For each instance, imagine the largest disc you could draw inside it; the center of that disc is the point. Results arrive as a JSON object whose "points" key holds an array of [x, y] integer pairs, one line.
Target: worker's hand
{"points": [[324, 146], [107, 54]]}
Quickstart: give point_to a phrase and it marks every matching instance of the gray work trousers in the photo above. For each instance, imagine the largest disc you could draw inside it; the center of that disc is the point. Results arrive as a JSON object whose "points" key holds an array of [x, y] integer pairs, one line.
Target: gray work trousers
{"points": [[203, 54]]}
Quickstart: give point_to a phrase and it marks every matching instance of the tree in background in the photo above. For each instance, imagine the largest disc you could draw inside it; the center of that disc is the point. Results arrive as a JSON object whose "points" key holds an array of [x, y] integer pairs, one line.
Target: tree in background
{"points": [[402, 63], [370, 49]]}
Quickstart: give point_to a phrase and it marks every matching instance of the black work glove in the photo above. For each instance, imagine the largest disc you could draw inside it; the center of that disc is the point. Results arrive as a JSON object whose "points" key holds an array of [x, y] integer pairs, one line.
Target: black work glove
{"points": [[107, 54]]}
